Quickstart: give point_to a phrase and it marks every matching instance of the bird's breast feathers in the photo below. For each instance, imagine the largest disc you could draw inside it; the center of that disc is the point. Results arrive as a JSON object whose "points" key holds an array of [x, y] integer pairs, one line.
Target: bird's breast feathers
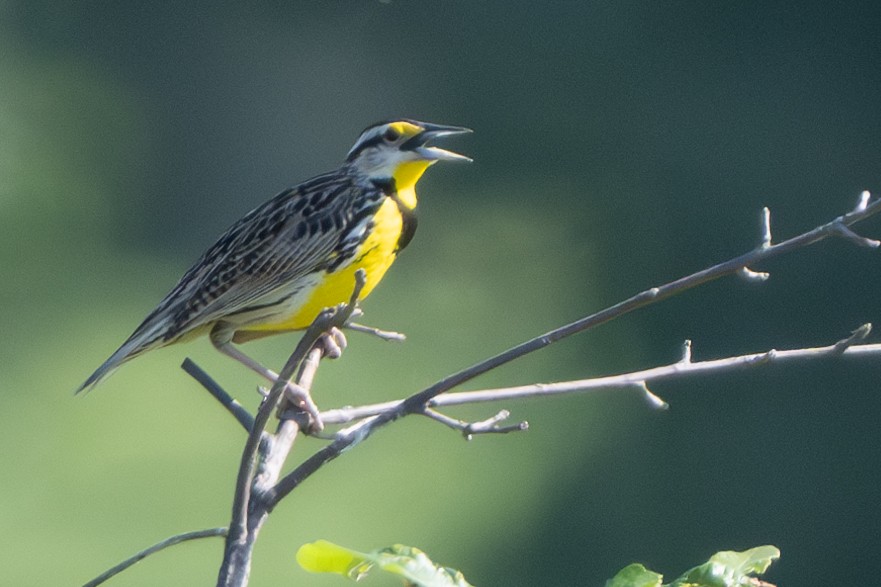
{"points": [[301, 300]]}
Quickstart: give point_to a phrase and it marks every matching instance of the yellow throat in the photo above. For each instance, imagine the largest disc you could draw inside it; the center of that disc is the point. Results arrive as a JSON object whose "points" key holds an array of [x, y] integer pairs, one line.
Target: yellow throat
{"points": [[406, 176]]}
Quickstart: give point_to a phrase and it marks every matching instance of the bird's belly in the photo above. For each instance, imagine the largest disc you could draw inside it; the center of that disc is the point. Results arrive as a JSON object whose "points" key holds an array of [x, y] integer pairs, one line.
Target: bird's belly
{"points": [[375, 256]]}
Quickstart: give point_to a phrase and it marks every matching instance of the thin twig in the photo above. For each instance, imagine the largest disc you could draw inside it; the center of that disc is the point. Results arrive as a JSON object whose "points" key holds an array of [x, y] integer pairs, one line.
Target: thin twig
{"points": [[469, 429], [750, 275], [857, 336], [747, 273], [154, 549], [861, 241], [389, 335], [653, 399], [766, 228], [686, 351], [240, 413]]}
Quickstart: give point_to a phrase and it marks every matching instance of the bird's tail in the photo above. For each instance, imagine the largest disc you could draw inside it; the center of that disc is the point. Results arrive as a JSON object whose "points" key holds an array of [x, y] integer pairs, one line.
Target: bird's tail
{"points": [[130, 349]]}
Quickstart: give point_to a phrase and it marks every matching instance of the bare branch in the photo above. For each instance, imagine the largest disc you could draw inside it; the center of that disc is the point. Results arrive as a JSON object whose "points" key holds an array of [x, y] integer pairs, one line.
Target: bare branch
{"points": [[383, 334], [653, 399], [750, 275], [857, 336], [865, 196], [766, 228], [861, 241], [240, 413], [686, 351], [273, 458], [747, 273], [344, 440], [152, 550], [348, 414], [469, 429], [634, 380]]}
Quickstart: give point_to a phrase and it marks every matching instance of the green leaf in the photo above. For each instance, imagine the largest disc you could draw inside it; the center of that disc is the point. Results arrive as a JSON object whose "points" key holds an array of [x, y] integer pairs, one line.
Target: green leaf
{"points": [[635, 575], [322, 556], [755, 560], [730, 569], [724, 569], [407, 562]]}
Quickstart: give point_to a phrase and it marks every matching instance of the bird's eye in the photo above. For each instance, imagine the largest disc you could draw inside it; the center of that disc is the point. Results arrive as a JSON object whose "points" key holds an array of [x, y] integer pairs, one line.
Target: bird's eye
{"points": [[391, 135]]}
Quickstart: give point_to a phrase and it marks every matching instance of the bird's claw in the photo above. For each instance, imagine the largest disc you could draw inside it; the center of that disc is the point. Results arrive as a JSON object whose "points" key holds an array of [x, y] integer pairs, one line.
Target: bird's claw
{"points": [[333, 343], [301, 398]]}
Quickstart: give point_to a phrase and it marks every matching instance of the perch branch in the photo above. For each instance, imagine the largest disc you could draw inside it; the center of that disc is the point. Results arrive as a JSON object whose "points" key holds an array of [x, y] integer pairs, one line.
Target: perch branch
{"points": [[271, 463]]}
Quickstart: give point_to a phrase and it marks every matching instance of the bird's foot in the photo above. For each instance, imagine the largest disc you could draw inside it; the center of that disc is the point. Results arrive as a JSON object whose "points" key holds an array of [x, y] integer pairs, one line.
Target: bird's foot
{"points": [[332, 343], [301, 398]]}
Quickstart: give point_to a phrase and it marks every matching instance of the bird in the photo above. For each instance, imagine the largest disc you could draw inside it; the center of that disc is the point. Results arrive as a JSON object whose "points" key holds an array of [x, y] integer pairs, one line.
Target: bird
{"points": [[281, 264]]}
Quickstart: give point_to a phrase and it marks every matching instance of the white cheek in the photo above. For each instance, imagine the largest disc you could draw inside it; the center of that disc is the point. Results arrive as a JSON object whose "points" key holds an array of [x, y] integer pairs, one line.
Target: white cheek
{"points": [[384, 163]]}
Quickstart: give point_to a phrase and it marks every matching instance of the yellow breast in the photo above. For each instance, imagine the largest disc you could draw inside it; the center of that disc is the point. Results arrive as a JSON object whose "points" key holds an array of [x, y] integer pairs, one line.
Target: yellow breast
{"points": [[375, 256]]}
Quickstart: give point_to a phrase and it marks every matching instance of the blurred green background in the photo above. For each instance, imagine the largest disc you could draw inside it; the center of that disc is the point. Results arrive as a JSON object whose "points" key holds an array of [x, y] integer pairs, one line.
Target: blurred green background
{"points": [[617, 145]]}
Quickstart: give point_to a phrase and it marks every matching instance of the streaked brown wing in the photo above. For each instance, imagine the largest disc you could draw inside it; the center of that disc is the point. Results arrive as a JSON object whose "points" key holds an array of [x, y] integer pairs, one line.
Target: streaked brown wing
{"points": [[302, 230]]}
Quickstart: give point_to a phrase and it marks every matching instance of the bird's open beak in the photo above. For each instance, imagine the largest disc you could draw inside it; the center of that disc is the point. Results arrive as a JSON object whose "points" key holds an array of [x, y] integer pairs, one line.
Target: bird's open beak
{"points": [[419, 143]]}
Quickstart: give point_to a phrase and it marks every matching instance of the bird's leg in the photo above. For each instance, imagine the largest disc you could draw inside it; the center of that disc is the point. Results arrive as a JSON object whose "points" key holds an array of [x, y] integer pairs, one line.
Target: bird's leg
{"points": [[298, 395]]}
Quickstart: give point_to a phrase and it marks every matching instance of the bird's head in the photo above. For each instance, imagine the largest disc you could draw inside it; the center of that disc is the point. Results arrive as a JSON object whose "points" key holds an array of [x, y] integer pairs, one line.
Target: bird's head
{"points": [[400, 150]]}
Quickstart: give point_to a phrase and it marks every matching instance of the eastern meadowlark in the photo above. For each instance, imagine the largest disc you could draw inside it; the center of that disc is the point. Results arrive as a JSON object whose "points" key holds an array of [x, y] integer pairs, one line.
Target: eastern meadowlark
{"points": [[276, 268]]}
